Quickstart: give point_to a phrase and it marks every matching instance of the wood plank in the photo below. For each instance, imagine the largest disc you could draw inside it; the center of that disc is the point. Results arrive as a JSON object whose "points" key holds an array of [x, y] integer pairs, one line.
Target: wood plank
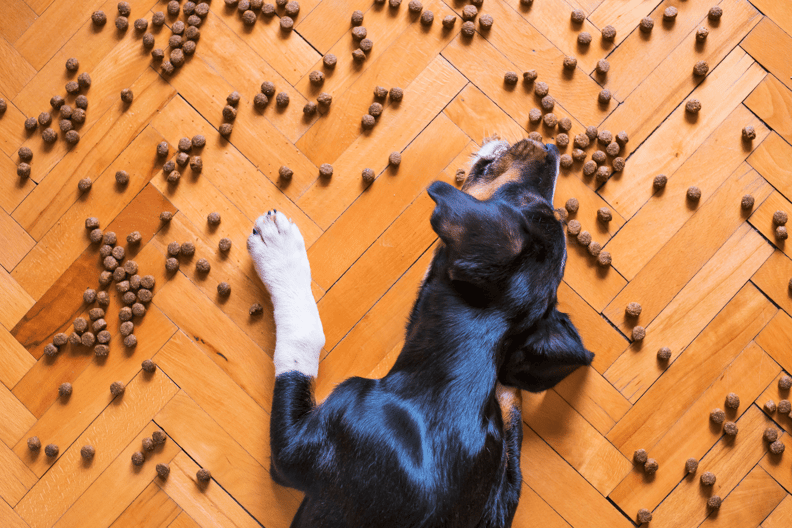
{"points": [[552, 19], [246, 286], [775, 393], [95, 152], [128, 485], [16, 418], [219, 338], [699, 366], [625, 16], [669, 84], [17, 18], [9, 517], [762, 220], [773, 279], [384, 200], [479, 117], [134, 207], [416, 69], [770, 46], [376, 270], [598, 335], [377, 332], [184, 521], [554, 480], [552, 418], [210, 505], [533, 512], [228, 170], [14, 242], [288, 53], [66, 418], [12, 133], [680, 136], [232, 467], [15, 71], [729, 460], [14, 189], [17, 478], [775, 11], [689, 250], [776, 339], [151, 508], [772, 101], [719, 159], [330, 21], [690, 311], [781, 516], [749, 503], [217, 394], [60, 296], [675, 435], [119, 424], [773, 160], [15, 361]]}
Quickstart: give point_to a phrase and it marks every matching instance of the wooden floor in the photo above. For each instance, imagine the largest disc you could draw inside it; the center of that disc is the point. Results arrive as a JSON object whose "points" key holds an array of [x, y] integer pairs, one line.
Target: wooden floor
{"points": [[712, 278]]}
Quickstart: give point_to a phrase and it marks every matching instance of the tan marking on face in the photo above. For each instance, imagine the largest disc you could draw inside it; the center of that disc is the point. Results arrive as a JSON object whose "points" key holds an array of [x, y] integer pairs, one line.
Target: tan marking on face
{"points": [[510, 401], [485, 190], [507, 168]]}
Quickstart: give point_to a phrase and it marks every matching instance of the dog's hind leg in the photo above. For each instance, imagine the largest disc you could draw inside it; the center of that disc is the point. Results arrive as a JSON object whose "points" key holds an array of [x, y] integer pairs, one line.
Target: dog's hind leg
{"points": [[278, 252]]}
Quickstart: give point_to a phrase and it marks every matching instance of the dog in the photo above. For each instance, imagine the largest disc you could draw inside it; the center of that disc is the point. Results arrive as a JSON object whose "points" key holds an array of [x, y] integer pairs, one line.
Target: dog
{"points": [[436, 442]]}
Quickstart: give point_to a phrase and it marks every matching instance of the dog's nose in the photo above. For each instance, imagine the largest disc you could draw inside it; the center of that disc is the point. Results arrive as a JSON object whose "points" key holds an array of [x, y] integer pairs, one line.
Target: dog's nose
{"points": [[551, 148]]}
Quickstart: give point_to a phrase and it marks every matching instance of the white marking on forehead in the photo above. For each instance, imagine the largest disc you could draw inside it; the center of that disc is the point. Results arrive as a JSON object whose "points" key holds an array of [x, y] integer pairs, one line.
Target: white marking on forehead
{"points": [[490, 151]]}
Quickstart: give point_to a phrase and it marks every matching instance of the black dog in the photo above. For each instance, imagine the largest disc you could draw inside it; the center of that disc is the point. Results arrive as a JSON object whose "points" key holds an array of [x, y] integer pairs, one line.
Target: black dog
{"points": [[436, 442]]}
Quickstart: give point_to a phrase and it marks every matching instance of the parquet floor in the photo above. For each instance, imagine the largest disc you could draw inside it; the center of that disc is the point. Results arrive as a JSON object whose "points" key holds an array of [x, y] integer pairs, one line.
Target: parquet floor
{"points": [[711, 277]]}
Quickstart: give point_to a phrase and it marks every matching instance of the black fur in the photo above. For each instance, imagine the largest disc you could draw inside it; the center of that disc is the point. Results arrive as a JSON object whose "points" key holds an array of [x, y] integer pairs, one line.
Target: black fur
{"points": [[426, 446]]}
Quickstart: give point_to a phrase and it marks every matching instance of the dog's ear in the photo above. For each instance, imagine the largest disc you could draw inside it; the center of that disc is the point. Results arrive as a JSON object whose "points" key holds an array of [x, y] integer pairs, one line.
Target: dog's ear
{"points": [[538, 359], [480, 236]]}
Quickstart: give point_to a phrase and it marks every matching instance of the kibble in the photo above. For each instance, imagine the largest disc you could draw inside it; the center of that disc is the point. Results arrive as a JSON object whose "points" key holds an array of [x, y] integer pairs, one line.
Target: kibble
{"points": [[213, 218], [633, 309], [609, 33], [693, 106], [130, 341], [324, 99], [158, 19], [224, 289], [670, 13], [126, 328], [158, 437], [781, 233], [65, 389], [604, 96], [137, 456], [700, 68], [584, 38], [717, 416], [534, 115], [573, 228], [732, 401], [368, 122], [87, 452], [777, 447], [730, 428], [224, 244], [530, 76], [603, 174], [708, 478], [784, 383], [691, 466], [117, 388], [770, 434], [148, 366], [572, 205], [770, 406], [105, 277], [541, 89], [570, 63], [664, 354], [693, 194], [640, 457], [612, 149], [99, 18], [701, 34], [715, 13], [394, 159], [171, 265], [646, 25], [644, 516], [459, 176], [780, 218], [584, 238], [618, 164], [80, 325], [51, 450], [127, 96], [714, 502], [650, 467], [103, 337], [203, 266], [550, 120], [603, 66], [578, 16], [660, 181], [163, 470], [203, 475], [784, 407], [638, 333], [326, 170], [50, 350], [510, 78], [449, 21], [565, 160], [95, 314], [23, 170], [468, 29], [589, 168]]}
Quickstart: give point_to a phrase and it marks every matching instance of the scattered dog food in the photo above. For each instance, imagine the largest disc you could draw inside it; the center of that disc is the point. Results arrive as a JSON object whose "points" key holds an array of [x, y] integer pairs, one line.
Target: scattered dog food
{"points": [[65, 389], [609, 33], [536, 136], [159, 437], [633, 309], [693, 106], [255, 309], [618, 164], [99, 18], [781, 233], [87, 452], [449, 21], [594, 248], [708, 478], [777, 447], [23, 170], [589, 168], [613, 149], [224, 289], [603, 66], [603, 174], [137, 456], [103, 337], [51, 450], [485, 21], [584, 38], [550, 120], [604, 96], [604, 259], [541, 89], [780, 218], [714, 502], [650, 467], [664, 354], [732, 401], [660, 181], [691, 466], [701, 68], [224, 245], [670, 13], [163, 470], [117, 388], [171, 265], [640, 457], [770, 406], [50, 350], [784, 407], [203, 266], [693, 194], [715, 13], [646, 25], [368, 121], [717, 416], [203, 475], [701, 34], [126, 328], [638, 333], [570, 63], [530, 76], [584, 238], [572, 205], [573, 228], [94, 314], [581, 141], [101, 350]]}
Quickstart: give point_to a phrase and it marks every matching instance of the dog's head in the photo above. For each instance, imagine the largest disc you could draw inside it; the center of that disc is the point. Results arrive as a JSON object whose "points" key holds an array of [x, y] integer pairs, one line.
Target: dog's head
{"points": [[505, 250]]}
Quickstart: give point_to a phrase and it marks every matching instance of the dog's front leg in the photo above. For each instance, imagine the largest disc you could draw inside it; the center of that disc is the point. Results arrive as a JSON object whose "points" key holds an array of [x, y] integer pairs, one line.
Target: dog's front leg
{"points": [[296, 428]]}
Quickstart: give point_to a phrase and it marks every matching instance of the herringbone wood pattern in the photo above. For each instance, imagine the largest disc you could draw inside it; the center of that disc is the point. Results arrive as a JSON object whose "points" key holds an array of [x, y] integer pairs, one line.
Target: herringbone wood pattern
{"points": [[712, 278]]}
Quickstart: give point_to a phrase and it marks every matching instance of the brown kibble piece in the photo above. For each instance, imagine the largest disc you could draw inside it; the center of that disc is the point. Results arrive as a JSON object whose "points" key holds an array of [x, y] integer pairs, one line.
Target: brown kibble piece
{"points": [[594, 248], [770, 434], [780, 218], [784, 383], [255, 309], [510, 78], [664, 354], [717, 416], [468, 29], [94, 314], [285, 173], [784, 407], [158, 437], [603, 174], [693, 194], [570, 63], [213, 218], [609, 33], [224, 289], [638, 333], [117, 388], [65, 389], [87, 452], [670, 13], [550, 120], [572, 205], [701, 68], [633, 309], [781, 233], [60, 339], [640, 457], [730, 428], [137, 456], [693, 106], [573, 228], [613, 149], [714, 502], [604, 96], [174, 248], [603, 66], [691, 466], [732, 401], [103, 337], [260, 101], [469, 12], [51, 450], [715, 13], [660, 181], [646, 25], [203, 266], [701, 34], [99, 18], [148, 366], [171, 265], [101, 350], [368, 122], [85, 184], [224, 245], [203, 475], [584, 38], [126, 328], [578, 16], [50, 350], [748, 133], [534, 115], [449, 21], [584, 238], [651, 466], [326, 170], [618, 164], [125, 313], [530, 76], [644, 516], [163, 470], [541, 89], [770, 406], [589, 168], [777, 447], [708, 478]]}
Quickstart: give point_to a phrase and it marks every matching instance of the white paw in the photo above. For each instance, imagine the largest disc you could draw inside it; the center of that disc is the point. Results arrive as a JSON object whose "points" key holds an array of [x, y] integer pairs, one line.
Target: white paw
{"points": [[278, 252]]}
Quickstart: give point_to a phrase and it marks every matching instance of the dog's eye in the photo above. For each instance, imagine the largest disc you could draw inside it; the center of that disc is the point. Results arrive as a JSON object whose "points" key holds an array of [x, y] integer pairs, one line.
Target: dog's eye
{"points": [[255, 231]]}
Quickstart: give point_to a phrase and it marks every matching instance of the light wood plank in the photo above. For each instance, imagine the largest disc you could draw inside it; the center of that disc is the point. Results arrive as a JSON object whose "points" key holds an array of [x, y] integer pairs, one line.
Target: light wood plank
{"points": [[750, 502], [772, 101], [151, 508], [770, 46], [773, 279], [773, 160], [781, 516], [762, 220]]}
